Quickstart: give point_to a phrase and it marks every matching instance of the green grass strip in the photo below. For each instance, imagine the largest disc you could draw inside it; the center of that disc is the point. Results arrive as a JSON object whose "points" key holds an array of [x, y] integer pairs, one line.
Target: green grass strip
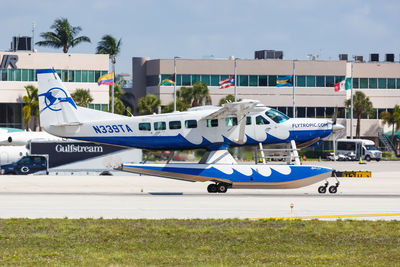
{"points": [[100, 242]]}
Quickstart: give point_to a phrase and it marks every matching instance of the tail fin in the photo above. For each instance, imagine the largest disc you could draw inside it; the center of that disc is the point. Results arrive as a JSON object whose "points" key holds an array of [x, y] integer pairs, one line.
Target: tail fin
{"points": [[56, 105]]}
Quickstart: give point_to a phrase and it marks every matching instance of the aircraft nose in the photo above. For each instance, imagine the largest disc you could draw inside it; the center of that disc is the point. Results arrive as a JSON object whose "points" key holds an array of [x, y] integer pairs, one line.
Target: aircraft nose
{"points": [[337, 127]]}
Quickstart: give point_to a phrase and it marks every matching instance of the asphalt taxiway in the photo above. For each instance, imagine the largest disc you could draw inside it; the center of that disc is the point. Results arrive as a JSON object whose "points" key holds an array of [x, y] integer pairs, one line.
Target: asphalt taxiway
{"points": [[134, 196]]}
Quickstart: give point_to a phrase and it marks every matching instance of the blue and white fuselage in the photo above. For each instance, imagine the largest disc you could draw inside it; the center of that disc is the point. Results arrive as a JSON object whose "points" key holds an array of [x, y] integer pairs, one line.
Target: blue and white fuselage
{"points": [[213, 128], [192, 129]]}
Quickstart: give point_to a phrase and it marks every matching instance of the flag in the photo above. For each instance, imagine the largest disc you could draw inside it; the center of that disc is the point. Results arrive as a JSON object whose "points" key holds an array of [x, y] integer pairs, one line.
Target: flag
{"points": [[106, 79], [168, 81], [284, 81], [227, 82], [343, 85]]}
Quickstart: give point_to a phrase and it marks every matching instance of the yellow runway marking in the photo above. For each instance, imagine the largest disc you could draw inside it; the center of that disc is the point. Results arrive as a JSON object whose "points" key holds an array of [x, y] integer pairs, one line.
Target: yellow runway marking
{"points": [[329, 216]]}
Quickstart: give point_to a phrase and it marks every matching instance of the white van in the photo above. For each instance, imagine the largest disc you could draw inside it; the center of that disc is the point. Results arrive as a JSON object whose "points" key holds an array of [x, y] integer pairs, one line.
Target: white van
{"points": [[360, 147]]}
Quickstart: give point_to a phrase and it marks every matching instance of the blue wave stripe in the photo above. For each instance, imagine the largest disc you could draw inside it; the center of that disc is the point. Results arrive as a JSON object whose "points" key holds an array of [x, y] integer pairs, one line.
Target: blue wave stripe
{"points": [[297, 173], [179, 142]]}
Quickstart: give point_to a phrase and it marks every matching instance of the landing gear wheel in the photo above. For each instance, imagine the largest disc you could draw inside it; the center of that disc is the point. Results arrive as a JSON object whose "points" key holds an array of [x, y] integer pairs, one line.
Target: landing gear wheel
{"points": [[212, 188], [333, 189], [222, 188], [322, 189]]}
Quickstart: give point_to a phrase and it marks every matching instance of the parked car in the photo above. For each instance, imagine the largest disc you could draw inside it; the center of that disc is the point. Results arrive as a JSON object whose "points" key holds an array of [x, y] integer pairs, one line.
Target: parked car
{"points": [[26, 165]]}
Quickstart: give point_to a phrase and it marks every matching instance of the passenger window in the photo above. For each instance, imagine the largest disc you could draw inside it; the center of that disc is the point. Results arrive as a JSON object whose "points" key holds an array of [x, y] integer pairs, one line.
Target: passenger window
{"points": [[212, 123], [260, 120], [190, 124], [231, 121], [144, 126], [174, 125], [160, 125], [248, 120]]}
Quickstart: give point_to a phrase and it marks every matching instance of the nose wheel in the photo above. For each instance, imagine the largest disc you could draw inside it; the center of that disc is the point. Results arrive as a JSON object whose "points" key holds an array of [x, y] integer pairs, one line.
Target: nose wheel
{"points": [[217, 188]]}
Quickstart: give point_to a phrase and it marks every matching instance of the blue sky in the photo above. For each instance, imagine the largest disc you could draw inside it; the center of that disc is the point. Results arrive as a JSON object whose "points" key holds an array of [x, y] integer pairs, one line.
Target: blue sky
{"points": [[221, 28]]}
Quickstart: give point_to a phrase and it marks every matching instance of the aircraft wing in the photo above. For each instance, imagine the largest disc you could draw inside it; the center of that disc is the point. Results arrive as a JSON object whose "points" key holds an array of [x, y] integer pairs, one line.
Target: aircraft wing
{"points": [[238, 109]]}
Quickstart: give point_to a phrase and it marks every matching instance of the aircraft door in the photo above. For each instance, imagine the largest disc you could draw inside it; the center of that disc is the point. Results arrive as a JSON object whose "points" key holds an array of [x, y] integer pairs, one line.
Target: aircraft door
{"points": [[262, 127]]}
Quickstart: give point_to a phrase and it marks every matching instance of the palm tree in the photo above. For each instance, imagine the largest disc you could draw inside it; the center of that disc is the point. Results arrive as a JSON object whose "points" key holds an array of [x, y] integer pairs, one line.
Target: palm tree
{"points": [[184, 95], [31, 106], [180, 106], [200, 92], [392, 119], [64, 35], [361, 106], [109, 45], [148, 104], [82, 97]]}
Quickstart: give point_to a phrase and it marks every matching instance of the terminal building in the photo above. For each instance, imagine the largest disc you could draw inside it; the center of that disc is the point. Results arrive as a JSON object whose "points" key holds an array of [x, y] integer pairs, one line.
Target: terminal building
{"points": [[18, 69], [256, 79]]}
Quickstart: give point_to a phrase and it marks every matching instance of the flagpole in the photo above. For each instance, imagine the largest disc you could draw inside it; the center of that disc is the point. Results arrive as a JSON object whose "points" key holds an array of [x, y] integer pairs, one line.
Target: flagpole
{"points": [[294, 81], [112, 89], [351, 106], [175, 84], [234, 66]]}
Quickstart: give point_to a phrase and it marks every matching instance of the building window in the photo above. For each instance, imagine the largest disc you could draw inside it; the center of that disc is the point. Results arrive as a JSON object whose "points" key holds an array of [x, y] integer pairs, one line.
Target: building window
{"points": [[310, 112], [186, 80], [25, 75], [212, 123], [174, 125], [191, 124], [301, 112], [328, 111], [144, 126], [391, 83], [71, 76], [244, 80], [160, 125], [214, 80], [338, 79], [320, 81], [356, 83], [300, 81], [84, 76], [195, 78], [253, 80], [97, 75], [310, 81], [329, 81], [206, 79], [271, 80], [382, 83], [398, 83], [373, 83], [363, 83], [263, 80], [78, 76], [91, 76]]}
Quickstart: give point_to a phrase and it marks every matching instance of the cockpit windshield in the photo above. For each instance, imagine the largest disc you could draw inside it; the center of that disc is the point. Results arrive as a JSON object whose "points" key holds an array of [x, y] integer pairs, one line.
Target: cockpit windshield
{"points": [[276, 115]]}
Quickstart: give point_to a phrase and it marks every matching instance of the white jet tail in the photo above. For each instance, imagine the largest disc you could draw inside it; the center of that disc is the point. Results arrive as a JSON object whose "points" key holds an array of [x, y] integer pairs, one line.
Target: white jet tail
{"points": [[56, 106]]}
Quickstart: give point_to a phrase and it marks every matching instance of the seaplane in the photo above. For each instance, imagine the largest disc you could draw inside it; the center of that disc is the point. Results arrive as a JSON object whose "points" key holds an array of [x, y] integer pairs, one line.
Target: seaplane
{"points": [[215, 129]]}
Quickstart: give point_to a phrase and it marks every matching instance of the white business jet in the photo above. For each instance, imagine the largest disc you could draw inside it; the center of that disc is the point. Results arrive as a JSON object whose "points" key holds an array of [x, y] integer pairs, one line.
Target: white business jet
{"points": [[213, 128]]}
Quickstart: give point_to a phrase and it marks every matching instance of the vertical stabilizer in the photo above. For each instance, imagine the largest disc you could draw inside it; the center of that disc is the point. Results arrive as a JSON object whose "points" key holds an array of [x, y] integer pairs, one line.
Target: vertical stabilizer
{"points": [[56, 105]]}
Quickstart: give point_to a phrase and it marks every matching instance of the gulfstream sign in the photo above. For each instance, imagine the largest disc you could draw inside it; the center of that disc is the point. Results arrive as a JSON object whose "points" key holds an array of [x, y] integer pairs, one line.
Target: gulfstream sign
{"points": [[9, 60], [78, 148]]}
